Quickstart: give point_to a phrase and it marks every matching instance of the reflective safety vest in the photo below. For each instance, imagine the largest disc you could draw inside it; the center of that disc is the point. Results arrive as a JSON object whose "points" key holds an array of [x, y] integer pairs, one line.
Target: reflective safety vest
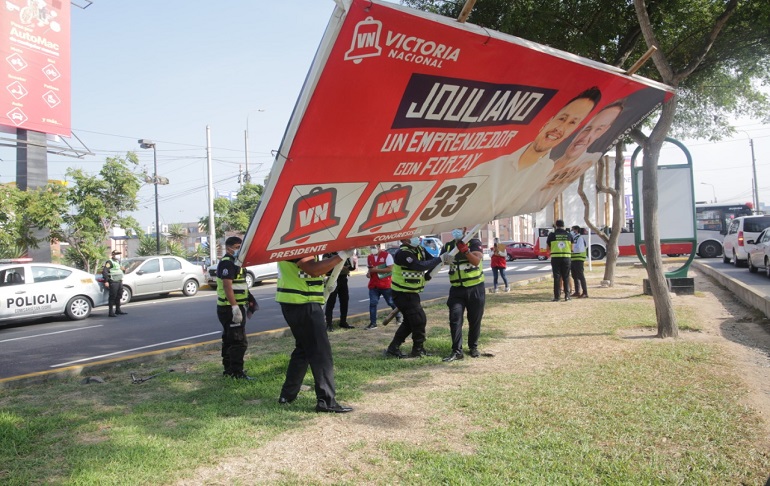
{"points": [[297, 287], [405, 280], [240, 289], [461, 272], [581, 255], [115, 273], [561, 246]]}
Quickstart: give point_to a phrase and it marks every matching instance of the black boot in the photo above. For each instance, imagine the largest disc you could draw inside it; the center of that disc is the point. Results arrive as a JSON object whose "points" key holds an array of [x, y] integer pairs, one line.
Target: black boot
{"points": [[112, 313]]}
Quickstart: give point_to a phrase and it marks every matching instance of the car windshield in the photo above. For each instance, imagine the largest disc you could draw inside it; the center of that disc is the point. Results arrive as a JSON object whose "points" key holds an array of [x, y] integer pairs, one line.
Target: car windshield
{"points": [[131, 264]]}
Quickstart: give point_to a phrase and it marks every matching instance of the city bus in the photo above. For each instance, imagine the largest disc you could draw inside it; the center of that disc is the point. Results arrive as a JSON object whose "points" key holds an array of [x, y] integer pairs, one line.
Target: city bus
{"points": [[712, 221]]}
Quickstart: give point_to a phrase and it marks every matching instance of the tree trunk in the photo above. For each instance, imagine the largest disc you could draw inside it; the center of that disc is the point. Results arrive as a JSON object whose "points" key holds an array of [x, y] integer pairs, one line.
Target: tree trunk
{"points": [[664, 309]]}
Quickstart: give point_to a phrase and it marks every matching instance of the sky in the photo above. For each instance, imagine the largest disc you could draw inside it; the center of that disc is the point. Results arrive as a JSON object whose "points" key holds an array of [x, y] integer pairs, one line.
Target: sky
{"points": [[165, 70]]}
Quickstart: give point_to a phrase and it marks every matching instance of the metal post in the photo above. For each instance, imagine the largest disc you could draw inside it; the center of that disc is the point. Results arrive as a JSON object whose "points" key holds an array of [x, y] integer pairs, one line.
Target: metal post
{"points": [[754, 169], [157, 216], [212, 230]]}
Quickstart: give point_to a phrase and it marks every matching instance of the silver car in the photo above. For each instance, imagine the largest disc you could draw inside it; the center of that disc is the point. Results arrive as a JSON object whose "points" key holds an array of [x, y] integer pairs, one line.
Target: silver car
{"points": [[44, 289], [159, 275], [254, 274]]}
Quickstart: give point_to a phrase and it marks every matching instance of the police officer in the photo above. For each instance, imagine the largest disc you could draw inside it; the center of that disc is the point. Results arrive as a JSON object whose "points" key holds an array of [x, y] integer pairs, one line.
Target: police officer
{"points": [[113, 282], [232, 300], [300, 291], [465, 294], [559, 249], [410, 266], [578, 258]]}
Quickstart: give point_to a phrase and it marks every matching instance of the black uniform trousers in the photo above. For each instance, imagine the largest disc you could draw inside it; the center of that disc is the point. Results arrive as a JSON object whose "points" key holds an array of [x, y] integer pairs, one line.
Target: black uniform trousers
{"points": [[311, 347], [234, 342], [343, 293], [462, 299], [578, 275], [414, 320], [560, 268], [116, 292]]}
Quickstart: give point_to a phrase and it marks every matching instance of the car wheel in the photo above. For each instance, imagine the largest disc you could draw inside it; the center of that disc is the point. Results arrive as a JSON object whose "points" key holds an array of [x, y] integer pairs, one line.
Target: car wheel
{"points": [[509, 258], [190, 288], [710, 249], [78, 308], [213, 286], [125, 298], [752, 268], [767, 267], [735, 260], [725, 259], [249, 280], [597, 252], [542, 258]]}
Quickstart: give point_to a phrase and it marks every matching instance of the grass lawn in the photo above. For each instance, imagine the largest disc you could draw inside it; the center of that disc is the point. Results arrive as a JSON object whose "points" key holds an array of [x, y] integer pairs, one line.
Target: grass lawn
{"points": [[577, 393]]}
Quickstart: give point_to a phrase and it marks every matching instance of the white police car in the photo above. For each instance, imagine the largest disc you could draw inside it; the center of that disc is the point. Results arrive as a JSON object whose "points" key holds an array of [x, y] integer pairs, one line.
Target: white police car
{"points": [[29, 289]]}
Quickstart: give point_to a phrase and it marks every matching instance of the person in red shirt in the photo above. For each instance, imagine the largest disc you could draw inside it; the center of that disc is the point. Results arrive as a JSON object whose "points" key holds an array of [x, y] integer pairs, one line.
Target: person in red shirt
{"points": [[499, 263], [380, 267]]}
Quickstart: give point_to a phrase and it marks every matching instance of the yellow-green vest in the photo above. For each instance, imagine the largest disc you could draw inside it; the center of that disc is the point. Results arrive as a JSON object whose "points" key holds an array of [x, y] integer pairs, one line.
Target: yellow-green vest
{"points": [[116, 273], [240, 289], [561, 246], [297, 287], [405, 280], [461, 272], [581, 255]]}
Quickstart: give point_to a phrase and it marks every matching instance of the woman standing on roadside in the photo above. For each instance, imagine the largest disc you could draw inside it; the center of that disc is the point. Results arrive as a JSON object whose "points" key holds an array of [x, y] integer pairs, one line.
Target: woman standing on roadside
{"points": [[499, 264]]}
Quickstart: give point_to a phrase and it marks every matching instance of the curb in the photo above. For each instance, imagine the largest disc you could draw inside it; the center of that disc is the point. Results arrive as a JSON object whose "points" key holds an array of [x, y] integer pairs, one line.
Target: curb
{"points": [[748, 295]]}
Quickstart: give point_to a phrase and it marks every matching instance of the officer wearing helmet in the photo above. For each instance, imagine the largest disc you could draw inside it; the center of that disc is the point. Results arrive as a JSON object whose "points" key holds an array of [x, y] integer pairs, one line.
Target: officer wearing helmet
{"points": [[410, 266], [466, 293]]}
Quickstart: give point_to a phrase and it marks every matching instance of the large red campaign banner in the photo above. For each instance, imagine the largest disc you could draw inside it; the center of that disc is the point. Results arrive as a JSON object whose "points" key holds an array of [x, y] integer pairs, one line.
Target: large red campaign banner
{"points": [[413, 124], [35, 53]]}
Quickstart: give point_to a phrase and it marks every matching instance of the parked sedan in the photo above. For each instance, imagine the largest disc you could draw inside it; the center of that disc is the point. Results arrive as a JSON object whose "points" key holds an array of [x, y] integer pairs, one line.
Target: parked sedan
{"points": [[159, 275], [254, 274], [520, 250], [758, 252], [30, 289]]}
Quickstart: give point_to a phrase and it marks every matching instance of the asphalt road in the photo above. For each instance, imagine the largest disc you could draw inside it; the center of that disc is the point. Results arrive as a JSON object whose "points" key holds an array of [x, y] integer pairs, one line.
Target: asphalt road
{"points": [[758, 281], [40, 345]]}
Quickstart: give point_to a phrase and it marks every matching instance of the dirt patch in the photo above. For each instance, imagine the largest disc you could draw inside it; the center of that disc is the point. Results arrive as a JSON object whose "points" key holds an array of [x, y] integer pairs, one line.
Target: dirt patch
{"points": [[349, 448]]}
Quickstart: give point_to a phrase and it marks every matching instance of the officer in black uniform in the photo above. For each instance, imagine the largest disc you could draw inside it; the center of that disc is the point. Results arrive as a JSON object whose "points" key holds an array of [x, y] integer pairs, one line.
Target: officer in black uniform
{"points": [[300, 292], [341, 291], [232, 301], [559, 249], [467, 293], [410, 266], [113, 282]]}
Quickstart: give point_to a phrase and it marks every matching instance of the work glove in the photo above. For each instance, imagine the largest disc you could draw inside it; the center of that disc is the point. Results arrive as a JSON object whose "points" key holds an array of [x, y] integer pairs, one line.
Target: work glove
{"points": [[462, 247], [237, 315], [447, 258]]}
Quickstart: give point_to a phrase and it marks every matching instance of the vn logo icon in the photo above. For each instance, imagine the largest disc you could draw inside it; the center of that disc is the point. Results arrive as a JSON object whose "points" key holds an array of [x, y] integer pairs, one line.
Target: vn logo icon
{"points": [[312, 213], [366, 41]]}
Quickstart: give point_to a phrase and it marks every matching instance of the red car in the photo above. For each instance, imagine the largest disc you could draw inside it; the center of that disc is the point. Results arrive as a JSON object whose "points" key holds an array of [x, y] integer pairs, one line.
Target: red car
{"points": [[520, 250]]}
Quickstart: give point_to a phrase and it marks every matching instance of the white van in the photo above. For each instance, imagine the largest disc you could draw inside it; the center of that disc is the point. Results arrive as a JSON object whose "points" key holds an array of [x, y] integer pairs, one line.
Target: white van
{"points": [[740, 231]]}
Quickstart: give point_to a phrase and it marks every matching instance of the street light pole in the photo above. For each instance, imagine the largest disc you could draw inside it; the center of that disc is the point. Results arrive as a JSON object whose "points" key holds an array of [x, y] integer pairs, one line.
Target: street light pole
{"points": [[143, 143], [247, 176], [754, 169]]}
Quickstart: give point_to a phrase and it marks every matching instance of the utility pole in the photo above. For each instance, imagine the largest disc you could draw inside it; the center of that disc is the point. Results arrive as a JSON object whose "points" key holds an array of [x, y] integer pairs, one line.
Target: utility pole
{"points": [[754, 169], [212, 230]]}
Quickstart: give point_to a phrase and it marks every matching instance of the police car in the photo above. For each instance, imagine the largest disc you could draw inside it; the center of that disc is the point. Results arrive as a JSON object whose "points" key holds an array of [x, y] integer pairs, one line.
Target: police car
{"points": [[29, 289]]}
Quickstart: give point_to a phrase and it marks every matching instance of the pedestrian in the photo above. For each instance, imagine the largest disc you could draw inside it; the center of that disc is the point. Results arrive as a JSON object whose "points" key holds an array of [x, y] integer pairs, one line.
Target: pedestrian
{"points": [[410, 266], [466, 293], [379, 266], [113, 282], [300, 291], [341, 290], [499, 263], [559, 250], [232, 304], [578, 258]]}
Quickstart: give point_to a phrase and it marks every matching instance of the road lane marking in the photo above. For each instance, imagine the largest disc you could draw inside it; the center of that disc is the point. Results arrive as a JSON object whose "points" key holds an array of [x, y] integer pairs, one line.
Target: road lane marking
{"points": [[48, 334], [133, 349]]}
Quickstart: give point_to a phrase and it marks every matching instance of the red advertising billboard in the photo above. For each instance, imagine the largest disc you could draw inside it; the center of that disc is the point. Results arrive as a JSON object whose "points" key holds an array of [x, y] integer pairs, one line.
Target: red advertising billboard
{"points": [[35, 53], [411, 124]]}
